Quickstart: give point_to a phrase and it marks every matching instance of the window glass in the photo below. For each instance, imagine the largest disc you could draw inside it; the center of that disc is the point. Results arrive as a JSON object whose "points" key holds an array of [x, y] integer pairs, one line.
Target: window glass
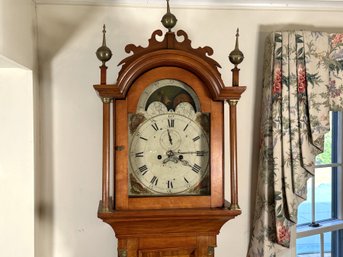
{"points": [[308, 246], [327, 244], [323, 193], [305, 208]]}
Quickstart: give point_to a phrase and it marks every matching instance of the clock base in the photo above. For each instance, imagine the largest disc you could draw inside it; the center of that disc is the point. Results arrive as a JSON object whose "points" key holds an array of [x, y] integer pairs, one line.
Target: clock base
{"points": [[159, 233]]}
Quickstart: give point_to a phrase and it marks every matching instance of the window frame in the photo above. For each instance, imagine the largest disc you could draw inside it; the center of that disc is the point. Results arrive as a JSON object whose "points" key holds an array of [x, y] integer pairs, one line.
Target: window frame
{"points": [[335, 224]]}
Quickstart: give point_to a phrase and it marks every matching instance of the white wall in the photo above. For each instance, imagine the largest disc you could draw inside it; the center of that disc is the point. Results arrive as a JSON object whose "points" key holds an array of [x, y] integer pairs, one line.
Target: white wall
{"points": [[70, 180], [17, 140], [16, 163], [17, 31]]}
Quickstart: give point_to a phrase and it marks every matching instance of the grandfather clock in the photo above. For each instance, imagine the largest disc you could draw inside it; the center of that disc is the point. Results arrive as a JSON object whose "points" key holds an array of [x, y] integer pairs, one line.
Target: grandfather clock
{"points": [[166, 112]]}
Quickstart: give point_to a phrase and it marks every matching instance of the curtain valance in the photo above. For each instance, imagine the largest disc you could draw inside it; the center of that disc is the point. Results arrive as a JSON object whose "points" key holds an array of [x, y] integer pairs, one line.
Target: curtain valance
{"points": [[303, 81]]}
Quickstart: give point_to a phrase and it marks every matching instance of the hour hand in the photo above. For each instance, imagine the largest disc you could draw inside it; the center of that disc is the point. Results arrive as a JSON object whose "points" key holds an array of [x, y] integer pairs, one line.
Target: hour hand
{"points": [[170, 138]]}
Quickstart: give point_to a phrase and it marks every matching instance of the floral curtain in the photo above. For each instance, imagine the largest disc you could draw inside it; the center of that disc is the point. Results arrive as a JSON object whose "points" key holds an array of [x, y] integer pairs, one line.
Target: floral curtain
{"points": [[303, 81]]}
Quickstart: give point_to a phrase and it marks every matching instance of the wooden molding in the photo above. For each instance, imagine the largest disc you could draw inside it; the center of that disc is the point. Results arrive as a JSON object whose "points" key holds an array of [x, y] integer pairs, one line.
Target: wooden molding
{"points": [[174, 222]]}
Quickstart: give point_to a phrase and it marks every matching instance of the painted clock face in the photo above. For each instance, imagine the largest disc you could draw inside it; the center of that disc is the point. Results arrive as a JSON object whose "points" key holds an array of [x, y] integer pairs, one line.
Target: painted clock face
{"points": [[169, 143]]}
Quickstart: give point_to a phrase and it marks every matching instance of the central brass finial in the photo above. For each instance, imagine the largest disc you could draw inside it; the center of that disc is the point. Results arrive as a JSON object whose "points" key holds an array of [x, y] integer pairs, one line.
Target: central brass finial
{"points": [[169, 20], [236, 56], [103, 53]]}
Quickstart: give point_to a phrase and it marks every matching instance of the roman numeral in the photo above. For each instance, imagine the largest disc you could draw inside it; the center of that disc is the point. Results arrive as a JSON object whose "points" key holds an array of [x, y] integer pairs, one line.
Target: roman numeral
{"points": [[185, 127], [140, 154], [154, 126], [200, 153], [170, 184], [196, 138], [143, 169], [171, 123], [154, 180], [143, 138], [187, 182], [196, 168]]}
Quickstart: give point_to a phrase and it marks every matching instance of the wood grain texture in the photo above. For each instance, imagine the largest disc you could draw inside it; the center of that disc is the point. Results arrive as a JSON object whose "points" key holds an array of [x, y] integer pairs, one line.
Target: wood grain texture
{"points": [[177, 222], [121, 149], [217, 154], [178, 232]]}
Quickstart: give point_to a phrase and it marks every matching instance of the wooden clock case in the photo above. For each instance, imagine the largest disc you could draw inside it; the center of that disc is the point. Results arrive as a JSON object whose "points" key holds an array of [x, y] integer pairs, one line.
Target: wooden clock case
{"points": [[168, 225]]}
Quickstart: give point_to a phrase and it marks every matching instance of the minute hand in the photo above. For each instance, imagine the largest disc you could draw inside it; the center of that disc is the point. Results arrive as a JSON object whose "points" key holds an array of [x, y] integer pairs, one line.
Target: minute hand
{"points": [[193, 152]]}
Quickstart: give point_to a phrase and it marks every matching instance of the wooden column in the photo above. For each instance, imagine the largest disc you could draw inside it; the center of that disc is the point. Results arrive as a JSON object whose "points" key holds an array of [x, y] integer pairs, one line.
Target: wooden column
{"points": [[114, 150], [106, 154], [233, 155], [103, 74], [233, 140], [235, 77], [106, 150]]}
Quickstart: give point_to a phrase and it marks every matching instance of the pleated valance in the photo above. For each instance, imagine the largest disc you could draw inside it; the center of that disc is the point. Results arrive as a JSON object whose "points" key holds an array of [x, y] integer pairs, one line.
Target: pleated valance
{"points": [[303, 82]]}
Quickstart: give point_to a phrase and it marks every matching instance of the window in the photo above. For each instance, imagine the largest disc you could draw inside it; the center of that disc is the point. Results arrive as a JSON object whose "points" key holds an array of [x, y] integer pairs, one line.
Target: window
{"points": [[320, 224]]}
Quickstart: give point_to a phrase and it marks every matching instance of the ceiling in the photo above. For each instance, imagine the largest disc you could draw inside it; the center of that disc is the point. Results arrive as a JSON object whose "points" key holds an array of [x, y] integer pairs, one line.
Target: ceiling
{"points": [[216, 4]]}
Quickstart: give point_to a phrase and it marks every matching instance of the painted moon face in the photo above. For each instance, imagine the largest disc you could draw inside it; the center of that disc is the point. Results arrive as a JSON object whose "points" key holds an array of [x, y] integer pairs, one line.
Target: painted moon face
{"points": [[156, 108], [185, 109]]}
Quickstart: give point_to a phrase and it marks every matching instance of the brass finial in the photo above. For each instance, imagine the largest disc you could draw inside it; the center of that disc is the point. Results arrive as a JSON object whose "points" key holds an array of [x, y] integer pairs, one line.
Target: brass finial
{"points": [[169, 20], [103, 53], [236, 56]]}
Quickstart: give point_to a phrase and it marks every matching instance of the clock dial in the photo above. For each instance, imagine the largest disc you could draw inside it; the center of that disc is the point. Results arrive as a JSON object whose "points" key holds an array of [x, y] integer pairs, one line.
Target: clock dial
{"points": [[169, 154]]}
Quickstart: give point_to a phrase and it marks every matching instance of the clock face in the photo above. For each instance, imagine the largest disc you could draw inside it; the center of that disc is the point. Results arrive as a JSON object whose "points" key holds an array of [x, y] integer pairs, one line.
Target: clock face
{"points": [[169, 143]]}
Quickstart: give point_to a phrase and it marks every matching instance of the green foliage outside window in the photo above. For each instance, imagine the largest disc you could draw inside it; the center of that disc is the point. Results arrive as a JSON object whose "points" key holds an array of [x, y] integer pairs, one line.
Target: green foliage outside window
{"points": [[325, 157]]}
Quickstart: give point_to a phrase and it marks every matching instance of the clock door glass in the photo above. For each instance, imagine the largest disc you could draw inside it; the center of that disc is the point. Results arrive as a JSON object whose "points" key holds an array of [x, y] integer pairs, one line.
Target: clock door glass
{"points": [[169, 143]]}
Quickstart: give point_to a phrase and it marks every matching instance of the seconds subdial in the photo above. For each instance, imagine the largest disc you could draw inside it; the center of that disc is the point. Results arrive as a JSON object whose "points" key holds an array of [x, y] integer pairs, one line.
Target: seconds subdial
{"points": [[170, 139]]}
